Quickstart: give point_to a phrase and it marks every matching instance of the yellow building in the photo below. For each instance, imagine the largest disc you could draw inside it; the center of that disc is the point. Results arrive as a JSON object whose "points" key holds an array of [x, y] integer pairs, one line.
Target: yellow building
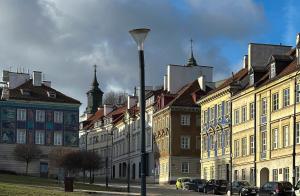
{"points": [[215, 128], [263, 120]]}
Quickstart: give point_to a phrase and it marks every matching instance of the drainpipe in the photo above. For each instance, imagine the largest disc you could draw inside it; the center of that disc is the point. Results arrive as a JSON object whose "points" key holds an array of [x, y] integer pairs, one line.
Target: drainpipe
{"points": [[230, 129], [200, 140], [255, 142]]}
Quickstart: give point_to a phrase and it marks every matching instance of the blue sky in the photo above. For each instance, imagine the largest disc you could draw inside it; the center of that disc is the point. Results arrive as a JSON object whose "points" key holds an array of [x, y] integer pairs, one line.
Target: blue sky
{"points": [[64, 39]]}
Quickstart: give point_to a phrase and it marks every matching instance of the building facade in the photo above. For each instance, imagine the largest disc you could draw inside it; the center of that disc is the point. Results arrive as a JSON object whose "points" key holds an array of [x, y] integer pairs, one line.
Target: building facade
{"points": [[34, 113]]}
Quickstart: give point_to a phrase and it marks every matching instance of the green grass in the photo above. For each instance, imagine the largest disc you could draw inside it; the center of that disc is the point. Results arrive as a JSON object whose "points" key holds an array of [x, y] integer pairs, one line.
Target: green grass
{"points": [[29, 184], [10, 189]]}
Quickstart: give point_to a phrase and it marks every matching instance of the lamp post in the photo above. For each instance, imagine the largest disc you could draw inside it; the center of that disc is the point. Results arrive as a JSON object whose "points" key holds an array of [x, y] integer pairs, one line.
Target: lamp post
{"points": [[295, 106], [139, 35], [106, 157]]}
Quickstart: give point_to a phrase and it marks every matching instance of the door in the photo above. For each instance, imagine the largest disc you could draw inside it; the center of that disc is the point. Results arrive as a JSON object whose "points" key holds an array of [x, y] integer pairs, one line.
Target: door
{"points": [[44, 169], [133, 171]]}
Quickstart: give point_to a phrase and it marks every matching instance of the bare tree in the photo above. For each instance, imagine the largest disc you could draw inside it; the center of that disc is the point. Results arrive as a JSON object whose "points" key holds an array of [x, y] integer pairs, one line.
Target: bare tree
{"points": [[71, 162], [27, 153], [115, 98], [90, 161]]}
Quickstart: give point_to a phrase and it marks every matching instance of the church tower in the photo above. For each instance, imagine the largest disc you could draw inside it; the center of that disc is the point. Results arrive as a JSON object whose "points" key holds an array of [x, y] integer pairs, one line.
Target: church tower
{"points": [[192, 61], [94, 95]]}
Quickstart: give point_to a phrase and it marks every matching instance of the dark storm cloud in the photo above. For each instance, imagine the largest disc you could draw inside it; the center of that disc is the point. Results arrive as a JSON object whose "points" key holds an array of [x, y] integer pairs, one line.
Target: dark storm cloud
{"points": [[65, 38]]}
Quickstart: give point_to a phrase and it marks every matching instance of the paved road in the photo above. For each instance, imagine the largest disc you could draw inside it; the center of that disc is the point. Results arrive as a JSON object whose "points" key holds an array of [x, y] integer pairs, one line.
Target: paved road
{"points": [[154, 190]]}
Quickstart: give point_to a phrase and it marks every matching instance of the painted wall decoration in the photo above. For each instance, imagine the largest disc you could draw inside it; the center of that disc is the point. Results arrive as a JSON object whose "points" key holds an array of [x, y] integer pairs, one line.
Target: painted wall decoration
{"points": [[8, 119], [71, 138], [49, 137], [71, 121], [30, 137], [30, 119], [49, 120]]}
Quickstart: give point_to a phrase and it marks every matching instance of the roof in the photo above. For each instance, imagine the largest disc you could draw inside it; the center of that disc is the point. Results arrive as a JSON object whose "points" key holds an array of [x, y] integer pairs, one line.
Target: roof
{"points": [[92, 119], [39, 93]]}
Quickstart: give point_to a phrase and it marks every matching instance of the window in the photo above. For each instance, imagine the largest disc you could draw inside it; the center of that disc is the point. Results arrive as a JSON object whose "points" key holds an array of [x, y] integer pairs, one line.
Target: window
{"points": [[252, 144], [57, 138], [286, 174], [39, 137], [58, 117], [236, 148], [275, 175], [212, 142], [21, 136], [40, 116], [244, 113], [298, 93], [285, 136], [205, 116], [198, 142], [286, 97], [204, 143], [251, 110], [264, 106], [227, 137], [236, 175], [227, 108], [219, 111], [297, 173], [244, 146], [297, 132], [236, 116], [21, 114], [212, 172], [251, 79], [275, 101], [275, 138], [185, 142], [243, 174], [273, 70], [212, 114], [198, 124], [252, 175], [219, 139], [185, 167], [185, 119], [264, 141]]}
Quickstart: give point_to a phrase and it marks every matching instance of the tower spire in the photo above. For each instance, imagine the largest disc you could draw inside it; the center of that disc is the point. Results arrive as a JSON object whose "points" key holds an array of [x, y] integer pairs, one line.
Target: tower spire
{"points": [[95, 82], [192, 61]]}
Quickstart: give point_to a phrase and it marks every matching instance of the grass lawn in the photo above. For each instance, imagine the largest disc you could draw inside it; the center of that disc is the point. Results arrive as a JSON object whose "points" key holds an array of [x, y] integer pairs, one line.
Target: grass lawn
{"points": [[10, 189], [30, 184]]}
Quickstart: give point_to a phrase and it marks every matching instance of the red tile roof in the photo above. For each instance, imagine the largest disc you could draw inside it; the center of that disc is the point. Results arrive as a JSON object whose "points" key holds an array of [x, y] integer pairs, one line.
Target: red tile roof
{"points": [[39, 93]]}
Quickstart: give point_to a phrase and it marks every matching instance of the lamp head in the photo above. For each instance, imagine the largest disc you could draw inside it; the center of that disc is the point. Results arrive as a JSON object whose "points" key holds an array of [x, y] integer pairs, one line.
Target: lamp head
{"points": [[139, 36]]}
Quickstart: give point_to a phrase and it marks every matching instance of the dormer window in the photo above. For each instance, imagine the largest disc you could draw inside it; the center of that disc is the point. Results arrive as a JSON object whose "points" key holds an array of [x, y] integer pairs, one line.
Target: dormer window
{"points": [[51, 94], [251, 79], [273, 70], [25, 92]]}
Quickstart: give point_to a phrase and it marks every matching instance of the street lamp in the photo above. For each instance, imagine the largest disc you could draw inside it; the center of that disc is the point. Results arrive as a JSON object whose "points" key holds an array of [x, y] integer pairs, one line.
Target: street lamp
{"points": [[295, 106], [139, 36], [106, 158]]}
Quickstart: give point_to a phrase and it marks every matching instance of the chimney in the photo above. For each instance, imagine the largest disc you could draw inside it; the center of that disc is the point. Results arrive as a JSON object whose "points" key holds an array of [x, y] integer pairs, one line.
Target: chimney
{"points": [[131, 101], [165, 82], [5, 93], [298, 48], [47, 83], [107, 109], [37, 78], [245, 62], [201, 82]]}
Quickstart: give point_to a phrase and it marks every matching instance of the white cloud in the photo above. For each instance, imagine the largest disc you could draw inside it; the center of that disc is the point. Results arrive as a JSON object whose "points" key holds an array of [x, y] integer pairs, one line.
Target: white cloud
{"points": [[65, 38]]}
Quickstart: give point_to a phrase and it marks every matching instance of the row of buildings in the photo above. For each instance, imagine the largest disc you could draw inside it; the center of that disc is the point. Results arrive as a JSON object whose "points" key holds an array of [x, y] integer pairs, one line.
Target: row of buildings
{"points": [[239, 128]]}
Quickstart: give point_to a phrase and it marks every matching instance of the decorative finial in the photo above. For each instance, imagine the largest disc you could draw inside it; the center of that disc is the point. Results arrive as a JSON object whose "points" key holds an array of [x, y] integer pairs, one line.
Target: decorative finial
{"points": [[191, 62]]}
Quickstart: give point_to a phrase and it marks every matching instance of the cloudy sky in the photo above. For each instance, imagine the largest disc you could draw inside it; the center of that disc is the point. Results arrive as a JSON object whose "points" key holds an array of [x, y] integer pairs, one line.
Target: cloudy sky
{"points": [[64, 38]]}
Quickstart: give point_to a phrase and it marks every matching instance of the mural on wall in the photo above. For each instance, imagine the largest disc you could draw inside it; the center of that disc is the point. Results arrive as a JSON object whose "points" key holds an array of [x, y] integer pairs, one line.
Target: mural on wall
{"points": [[49, 120], [30, 119], [71, 121], [71, 138], [8, 125], [49, 137], [30, 137]]}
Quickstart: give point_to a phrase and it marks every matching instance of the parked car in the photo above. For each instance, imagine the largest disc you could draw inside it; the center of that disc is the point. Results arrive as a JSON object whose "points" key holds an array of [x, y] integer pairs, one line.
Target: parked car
{"points": [[216, 186], [195, 184], [243, 188], [282, 188], [181, 181], [297, 189]]}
